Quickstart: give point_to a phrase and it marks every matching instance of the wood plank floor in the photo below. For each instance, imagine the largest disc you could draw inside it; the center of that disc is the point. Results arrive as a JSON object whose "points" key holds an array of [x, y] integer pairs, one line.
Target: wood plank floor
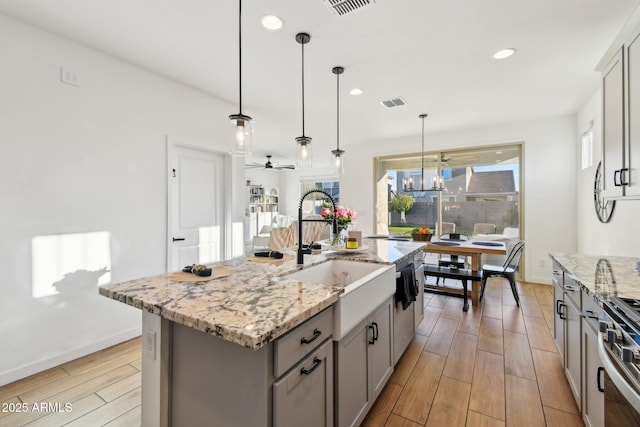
{"points": [[494, 365]]}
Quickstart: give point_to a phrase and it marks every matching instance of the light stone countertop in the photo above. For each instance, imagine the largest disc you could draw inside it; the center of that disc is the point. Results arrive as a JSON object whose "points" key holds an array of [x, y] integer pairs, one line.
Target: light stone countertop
{"points": [[602, 276], [246, 308]]}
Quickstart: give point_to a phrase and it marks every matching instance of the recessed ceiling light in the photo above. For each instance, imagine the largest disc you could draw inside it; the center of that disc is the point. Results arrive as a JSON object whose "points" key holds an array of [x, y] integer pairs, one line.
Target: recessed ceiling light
{"points": [[271, 22], [356, 91], [504, 53]]}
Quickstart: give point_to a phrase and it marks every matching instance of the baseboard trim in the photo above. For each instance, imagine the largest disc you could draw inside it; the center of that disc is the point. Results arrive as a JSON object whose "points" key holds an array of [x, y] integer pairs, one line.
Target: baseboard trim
{"points": [[53, 361]]}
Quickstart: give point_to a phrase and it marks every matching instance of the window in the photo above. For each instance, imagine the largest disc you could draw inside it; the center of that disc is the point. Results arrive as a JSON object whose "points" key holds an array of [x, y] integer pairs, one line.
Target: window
{"points": [[586, 141], [313, 205], [480, 186]]}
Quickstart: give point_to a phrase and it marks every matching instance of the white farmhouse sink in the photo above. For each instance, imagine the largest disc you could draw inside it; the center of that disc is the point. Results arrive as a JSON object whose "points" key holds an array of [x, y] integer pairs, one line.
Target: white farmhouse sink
{"points": [[366, 286]]}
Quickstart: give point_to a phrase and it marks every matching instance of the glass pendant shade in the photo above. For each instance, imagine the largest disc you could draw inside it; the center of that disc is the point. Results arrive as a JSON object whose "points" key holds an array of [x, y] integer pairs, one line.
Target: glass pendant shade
{"points": [[304, 153], [242, 134], [337, 162]]}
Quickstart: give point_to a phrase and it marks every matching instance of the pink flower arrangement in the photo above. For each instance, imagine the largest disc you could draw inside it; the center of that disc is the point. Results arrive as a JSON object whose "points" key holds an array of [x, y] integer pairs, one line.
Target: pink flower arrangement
{"points": [[344, 215]]}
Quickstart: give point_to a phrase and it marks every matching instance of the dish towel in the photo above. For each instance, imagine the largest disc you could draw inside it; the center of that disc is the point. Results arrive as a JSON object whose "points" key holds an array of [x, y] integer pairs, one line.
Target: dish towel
{"points": [[406, 289]]}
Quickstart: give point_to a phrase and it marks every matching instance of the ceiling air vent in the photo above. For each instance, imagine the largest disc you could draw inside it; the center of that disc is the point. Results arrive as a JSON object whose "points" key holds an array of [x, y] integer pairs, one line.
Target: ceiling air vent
{"points": [[395, 102], [342, 7]]}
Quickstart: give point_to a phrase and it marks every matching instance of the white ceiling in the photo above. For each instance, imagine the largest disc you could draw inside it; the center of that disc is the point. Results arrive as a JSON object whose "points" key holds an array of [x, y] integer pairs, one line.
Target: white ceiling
{"points": [[437, 55]]}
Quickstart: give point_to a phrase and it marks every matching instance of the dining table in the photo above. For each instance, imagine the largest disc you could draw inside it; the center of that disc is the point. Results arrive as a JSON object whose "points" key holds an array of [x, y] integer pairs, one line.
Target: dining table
{"points": [[466, 248]]}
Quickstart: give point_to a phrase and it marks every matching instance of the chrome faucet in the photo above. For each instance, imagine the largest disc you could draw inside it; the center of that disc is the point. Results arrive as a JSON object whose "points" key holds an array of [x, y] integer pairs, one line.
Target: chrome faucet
{"points": [[334, 224]]}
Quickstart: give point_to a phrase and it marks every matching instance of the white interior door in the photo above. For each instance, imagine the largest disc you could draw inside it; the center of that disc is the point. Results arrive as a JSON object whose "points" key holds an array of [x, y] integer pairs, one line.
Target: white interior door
{"points": [[196, 225]]}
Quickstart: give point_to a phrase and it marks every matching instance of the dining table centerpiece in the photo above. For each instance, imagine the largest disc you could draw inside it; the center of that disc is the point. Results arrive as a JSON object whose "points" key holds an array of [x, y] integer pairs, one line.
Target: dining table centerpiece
{"points": [[421, 234], [344, 217]]}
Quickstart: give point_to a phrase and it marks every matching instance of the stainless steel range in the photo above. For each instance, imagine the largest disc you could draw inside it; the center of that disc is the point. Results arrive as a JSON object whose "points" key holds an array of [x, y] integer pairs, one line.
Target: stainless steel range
{"points": [[619, 349]]}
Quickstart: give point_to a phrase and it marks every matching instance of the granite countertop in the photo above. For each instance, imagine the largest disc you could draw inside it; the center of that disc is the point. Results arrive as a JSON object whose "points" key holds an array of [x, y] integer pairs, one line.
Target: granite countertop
{"points": [[247, 308], [602, 276]]}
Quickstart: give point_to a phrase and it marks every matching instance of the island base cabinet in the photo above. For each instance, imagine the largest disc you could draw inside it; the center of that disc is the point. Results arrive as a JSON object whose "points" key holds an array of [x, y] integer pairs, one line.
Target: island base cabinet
{"points": [[364, 364], [216, 383], [304, 396]]}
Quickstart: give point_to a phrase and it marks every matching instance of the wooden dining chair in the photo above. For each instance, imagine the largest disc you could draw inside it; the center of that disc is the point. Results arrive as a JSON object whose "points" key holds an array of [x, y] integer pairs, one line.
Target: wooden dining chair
{"points": [[507, 270]]}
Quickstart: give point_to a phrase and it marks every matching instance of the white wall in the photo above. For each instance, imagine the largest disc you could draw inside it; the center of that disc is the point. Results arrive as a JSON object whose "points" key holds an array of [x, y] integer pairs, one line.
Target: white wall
{"points": [[619, 236], [79, 160], [548, 171]]}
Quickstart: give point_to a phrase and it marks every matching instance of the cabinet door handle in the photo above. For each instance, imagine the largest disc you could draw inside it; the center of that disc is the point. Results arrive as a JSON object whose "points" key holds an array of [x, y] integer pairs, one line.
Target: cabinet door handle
{"points": [[375, 335], [561, 313], [316, 334], [178, 239], [316, 363], [372, 340], [558, 302], [570, 288], [590, 314], [623, 180], [598, 376], [616, 178]]}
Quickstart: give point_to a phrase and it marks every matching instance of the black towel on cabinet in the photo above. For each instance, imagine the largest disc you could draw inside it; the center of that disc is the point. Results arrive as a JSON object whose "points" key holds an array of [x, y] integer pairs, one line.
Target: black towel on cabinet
{"points": [[406, 289]]}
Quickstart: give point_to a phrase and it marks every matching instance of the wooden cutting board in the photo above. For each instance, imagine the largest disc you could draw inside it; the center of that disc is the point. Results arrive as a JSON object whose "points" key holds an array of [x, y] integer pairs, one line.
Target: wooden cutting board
{"points": [[216, 273]]}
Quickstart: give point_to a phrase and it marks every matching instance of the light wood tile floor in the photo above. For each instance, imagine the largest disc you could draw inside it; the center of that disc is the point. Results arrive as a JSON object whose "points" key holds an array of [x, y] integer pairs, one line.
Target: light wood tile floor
{"points": [[494, 365]]}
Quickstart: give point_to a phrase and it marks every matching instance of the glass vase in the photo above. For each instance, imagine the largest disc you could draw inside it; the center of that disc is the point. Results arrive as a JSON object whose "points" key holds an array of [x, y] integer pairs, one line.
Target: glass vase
{"points": [[339, 239]]}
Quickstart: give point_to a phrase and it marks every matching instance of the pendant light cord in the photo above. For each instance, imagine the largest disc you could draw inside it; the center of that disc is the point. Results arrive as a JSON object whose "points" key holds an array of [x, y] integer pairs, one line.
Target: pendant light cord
{"points": [[240, 52], [422, 182], [338, 113], [303, 133]]}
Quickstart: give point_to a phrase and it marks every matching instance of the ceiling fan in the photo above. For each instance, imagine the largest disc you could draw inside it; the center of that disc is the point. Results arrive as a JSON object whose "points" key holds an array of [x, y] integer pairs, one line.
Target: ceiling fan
{"points": [[268, 165]]}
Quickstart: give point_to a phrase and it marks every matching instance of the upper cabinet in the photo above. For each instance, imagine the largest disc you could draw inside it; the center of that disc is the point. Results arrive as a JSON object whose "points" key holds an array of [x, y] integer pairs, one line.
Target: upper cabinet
{"points": [[621, 114], [613, 125]]}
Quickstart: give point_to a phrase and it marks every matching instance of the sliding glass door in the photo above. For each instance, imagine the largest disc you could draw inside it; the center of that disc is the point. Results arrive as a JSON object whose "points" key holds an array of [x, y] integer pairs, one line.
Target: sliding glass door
{"points": [[476, 192]]}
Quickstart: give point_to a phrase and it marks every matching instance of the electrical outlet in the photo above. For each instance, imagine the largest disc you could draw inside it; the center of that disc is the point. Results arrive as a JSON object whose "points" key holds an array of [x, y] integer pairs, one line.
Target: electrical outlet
{"points": [[69, 76]]}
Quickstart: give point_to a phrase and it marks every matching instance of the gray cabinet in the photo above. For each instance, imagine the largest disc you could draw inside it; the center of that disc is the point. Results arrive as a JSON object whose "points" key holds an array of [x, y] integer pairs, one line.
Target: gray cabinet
{"points": [[592, 381], [575, 333], [592, 372], [613, 125], [567, 327], [572, 359], [364, 363], [558, 316], [304, 396], [418, 305], [621, 121], [632, 147]]}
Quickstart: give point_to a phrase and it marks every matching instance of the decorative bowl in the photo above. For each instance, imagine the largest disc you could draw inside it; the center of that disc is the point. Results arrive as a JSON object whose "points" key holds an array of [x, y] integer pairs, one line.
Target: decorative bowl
{"points": [[421, 237]]}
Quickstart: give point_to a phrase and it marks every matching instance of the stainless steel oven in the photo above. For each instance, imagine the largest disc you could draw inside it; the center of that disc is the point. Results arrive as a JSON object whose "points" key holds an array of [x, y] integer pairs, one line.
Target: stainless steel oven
{"points": [[619, 350]]}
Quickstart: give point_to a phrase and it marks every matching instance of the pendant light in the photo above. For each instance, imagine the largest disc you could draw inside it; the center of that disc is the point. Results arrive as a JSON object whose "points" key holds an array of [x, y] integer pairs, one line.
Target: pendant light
{"points": [[241, 124], [407, 183], [303, 151], [337, 163]]}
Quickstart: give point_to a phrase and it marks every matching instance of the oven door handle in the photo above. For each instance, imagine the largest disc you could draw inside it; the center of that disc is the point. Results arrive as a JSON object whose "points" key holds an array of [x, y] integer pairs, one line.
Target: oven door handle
{"points": [[618, 380]]}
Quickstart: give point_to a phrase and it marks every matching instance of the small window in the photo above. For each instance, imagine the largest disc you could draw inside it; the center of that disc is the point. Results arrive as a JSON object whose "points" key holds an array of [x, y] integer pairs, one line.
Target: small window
{"points": [[586, 141], [313, 205]]}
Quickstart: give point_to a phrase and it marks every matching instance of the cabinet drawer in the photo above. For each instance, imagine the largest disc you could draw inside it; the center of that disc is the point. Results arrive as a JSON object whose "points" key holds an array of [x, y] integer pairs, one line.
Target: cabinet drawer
{"points": [[573, 290], [557, 274], [304, 397], [290, 348], [591, 311]]}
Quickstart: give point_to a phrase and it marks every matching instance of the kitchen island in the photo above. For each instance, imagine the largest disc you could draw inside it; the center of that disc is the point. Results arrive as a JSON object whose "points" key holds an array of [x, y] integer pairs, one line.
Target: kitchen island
{"points": [[210, 347]]}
